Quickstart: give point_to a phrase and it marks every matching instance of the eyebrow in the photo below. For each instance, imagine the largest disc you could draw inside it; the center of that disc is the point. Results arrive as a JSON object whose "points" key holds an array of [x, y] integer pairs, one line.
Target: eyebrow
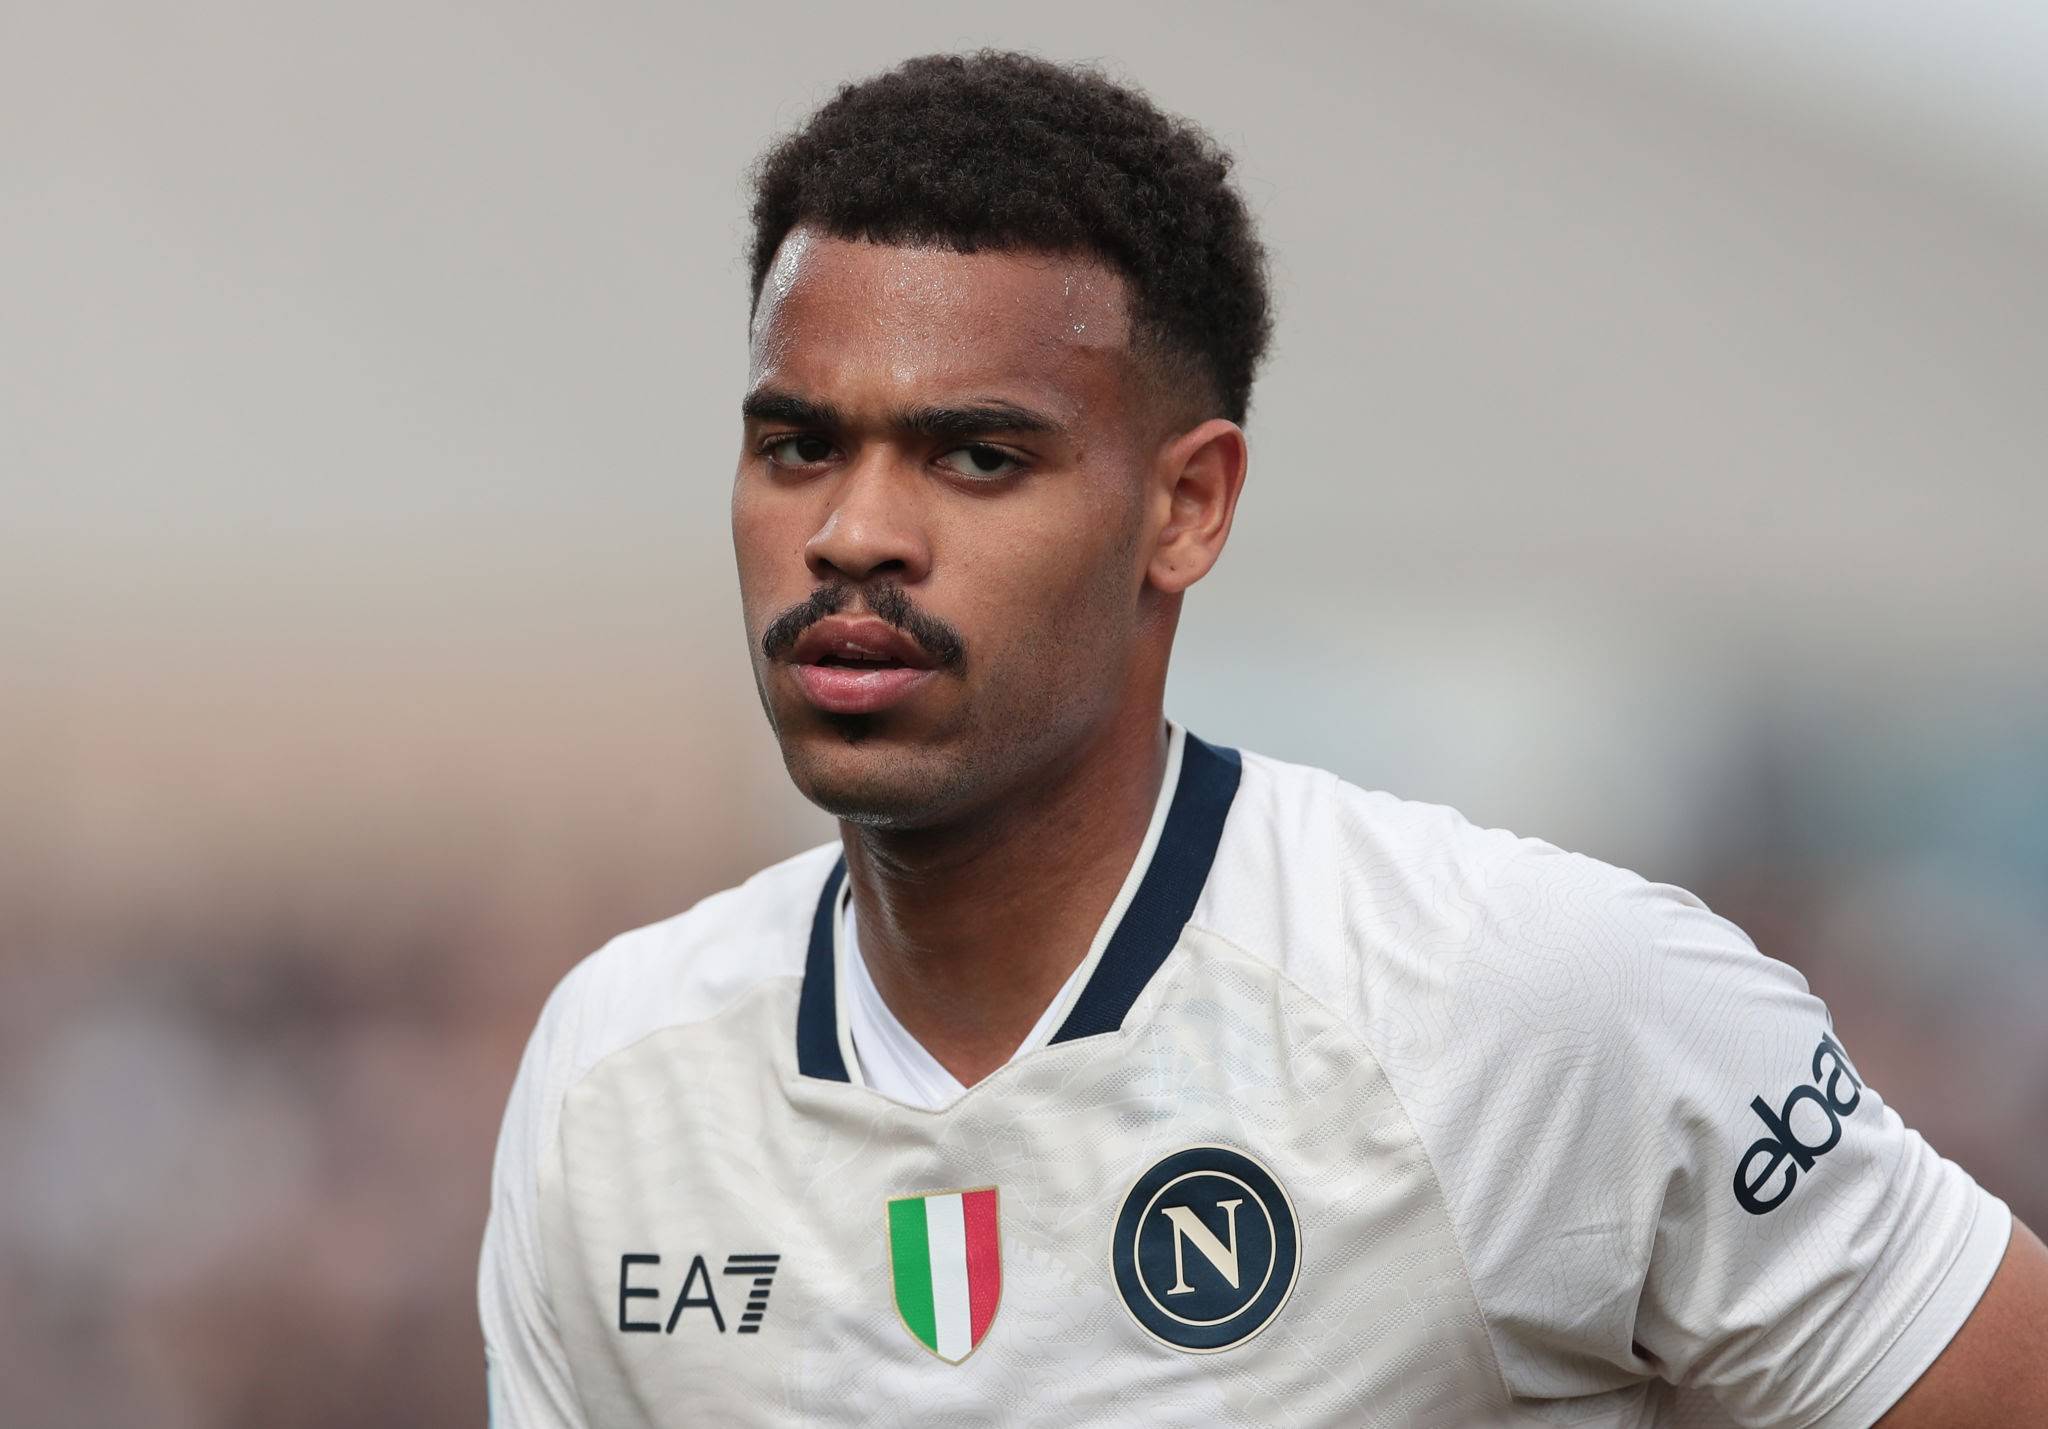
{"points": [[770, 405], [974, 419], [930, 420]]}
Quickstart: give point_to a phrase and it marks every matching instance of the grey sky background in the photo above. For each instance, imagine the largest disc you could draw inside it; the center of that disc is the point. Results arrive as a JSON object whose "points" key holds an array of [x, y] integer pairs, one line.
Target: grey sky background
{"points": [[394, 347]]}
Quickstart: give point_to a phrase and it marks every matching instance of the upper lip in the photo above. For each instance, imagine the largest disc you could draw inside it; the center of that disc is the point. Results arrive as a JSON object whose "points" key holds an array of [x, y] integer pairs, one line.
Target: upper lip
{"points": [[859, 638]]}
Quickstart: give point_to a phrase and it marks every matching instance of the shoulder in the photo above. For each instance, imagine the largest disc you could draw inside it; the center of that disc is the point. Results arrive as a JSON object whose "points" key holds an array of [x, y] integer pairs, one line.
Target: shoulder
{"points": [[1656, 1154], [682, 970], [686, 968], [1381, 905]]}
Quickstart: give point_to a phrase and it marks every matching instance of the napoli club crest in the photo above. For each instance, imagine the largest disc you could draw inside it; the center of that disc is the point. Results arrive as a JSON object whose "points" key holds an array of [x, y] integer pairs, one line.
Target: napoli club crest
{"points": [[1206, 1249], [945, 1258]]}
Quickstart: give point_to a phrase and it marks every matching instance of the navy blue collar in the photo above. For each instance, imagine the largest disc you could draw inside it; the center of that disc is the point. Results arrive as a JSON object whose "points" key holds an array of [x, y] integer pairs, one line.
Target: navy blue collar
{"points": [[1150, 927]]}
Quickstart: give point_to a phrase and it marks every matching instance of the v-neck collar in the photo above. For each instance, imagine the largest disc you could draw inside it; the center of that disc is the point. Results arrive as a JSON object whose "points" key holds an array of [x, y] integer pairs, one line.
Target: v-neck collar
{"points": [[1140, 929]]}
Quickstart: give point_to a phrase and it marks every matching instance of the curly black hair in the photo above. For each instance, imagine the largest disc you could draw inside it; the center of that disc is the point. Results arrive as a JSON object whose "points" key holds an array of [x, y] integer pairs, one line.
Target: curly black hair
{"points": [[1003, 150]]}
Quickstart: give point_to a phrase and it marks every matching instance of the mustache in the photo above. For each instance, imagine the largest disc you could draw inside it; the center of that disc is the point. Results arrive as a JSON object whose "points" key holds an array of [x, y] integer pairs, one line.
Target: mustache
{"points": [[887, 602]]}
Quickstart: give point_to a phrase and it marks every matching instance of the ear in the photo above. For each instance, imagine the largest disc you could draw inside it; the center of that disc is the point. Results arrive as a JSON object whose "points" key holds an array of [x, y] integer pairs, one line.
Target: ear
{"points": [[1199, 473]]}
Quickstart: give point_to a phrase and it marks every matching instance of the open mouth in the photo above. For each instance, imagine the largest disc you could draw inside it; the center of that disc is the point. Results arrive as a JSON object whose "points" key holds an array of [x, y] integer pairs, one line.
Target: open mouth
{"points": [[837, 661], [850, 665]]}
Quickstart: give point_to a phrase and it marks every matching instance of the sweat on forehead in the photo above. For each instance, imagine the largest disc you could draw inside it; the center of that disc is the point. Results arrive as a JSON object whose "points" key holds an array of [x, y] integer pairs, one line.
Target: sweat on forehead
{"points": [[875, 327], [1073, 296]]}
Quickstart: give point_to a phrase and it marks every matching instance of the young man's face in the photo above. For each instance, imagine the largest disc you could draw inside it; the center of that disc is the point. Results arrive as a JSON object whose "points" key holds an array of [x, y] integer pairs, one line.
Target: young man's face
{"points": [[945, 452]]}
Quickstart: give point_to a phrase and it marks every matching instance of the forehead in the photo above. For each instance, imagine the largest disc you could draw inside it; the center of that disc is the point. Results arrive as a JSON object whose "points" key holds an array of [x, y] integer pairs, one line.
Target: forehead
{"points": [[883, 321]]}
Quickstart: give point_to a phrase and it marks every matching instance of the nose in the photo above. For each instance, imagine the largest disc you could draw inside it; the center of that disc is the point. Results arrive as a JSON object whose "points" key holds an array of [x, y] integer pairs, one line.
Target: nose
{"points": [[874, 526]]}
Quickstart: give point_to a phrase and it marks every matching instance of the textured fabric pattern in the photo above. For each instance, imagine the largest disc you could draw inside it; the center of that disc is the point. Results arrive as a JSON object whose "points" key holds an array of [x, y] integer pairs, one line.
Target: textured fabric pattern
{"points": [[1510, 1092], [1382, 1328]]}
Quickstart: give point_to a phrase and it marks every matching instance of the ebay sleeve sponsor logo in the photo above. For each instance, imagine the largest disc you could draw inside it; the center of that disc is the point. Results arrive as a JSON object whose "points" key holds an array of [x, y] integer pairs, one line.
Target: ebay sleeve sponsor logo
{"points": [[1797, 1138]]}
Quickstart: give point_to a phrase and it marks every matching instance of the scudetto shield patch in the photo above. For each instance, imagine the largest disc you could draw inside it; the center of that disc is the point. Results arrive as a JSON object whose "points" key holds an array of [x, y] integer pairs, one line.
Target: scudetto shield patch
{"points": [[945, 1258], [1206, 1249]]}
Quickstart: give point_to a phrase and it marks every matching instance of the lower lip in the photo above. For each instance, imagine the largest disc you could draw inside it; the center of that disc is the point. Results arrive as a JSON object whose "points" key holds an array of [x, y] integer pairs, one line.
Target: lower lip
{"points": [[849, 689]]}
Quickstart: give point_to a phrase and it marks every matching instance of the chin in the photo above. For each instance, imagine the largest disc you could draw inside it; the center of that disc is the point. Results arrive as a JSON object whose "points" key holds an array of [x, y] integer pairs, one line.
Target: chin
{"points": [[872, 782]]}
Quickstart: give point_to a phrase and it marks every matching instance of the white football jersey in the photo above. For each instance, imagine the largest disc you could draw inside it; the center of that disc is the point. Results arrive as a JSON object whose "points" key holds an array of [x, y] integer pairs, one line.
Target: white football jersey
{"points": [[1357, 1114]]}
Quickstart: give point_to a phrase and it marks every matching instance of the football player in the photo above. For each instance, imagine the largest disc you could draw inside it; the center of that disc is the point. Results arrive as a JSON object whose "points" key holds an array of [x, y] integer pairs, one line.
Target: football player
{"points": [[1100, 1074]]}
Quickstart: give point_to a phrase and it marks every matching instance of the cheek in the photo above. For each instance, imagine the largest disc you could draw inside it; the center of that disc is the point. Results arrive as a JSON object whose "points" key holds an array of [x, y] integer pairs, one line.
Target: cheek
{"points": [[1048, 602], [1103, 579], [752, 513], [765, 543]]}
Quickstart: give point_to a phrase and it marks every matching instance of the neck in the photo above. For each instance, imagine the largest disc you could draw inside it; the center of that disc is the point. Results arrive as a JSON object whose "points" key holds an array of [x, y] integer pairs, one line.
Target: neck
{"points": [[971, 929]]}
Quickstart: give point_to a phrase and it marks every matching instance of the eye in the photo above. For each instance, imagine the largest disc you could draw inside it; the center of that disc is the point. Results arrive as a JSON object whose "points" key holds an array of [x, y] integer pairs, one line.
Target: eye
{"points": [[981, 461], [797, 451]]}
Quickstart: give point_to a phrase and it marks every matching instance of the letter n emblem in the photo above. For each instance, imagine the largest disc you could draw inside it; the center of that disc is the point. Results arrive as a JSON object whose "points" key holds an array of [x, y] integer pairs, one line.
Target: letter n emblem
{"points": [[1206, 1249], [1222, 1254], [945, 1259]]}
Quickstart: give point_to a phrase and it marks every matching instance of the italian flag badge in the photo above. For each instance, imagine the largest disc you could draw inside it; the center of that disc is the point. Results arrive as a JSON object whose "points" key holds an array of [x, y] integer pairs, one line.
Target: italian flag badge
{"points": [[946, 1260]]}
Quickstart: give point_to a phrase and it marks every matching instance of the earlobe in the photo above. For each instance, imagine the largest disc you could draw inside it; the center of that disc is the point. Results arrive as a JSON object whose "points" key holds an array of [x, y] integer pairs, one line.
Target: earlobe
{"points": [[1200, 474]]}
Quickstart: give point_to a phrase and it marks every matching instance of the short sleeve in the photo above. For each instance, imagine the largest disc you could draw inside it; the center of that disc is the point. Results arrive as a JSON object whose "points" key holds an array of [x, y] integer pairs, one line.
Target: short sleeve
{"points": [[527, 1373], [1665, 1163]]}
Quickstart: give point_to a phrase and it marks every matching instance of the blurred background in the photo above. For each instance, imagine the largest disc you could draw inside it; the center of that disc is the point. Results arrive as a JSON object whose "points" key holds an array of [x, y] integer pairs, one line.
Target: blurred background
{"points": [[1651, 459]]}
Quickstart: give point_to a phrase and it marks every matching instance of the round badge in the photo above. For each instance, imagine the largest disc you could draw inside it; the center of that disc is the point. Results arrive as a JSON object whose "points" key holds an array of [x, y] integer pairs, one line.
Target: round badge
{"points": [[1206, 1249]]}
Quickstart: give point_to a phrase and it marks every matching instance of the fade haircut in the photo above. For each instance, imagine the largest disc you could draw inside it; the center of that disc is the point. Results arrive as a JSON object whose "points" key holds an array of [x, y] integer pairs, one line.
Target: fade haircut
{"points": [[1007, 151]]}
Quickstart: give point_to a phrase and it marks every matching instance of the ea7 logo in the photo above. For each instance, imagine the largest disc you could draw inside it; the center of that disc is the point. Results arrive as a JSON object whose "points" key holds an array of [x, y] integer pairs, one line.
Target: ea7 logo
{"points": [[695, 1293], [1771, 1167]]}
